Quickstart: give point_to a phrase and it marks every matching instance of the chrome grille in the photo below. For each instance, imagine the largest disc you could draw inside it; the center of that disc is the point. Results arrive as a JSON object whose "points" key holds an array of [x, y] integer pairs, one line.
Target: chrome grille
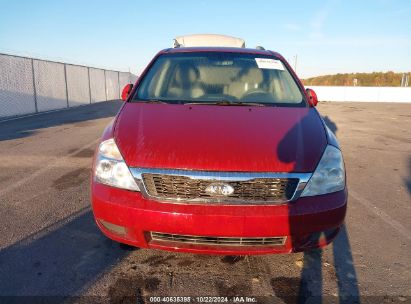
{"points": [[218, 241], [189, 186], [177, 187]]}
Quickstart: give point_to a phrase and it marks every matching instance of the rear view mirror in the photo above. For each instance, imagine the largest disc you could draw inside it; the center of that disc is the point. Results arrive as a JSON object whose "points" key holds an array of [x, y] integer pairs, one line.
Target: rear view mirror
{"points": [[126, 91], [312, 97]]}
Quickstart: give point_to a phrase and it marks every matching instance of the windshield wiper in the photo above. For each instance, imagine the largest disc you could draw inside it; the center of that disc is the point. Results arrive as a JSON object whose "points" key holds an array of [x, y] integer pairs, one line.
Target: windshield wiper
{"points": [[153, 101], [228, 103]]}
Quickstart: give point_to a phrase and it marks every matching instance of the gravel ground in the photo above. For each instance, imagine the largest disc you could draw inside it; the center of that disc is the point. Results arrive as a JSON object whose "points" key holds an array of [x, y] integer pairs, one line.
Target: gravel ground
{"points": [[50, 246]]}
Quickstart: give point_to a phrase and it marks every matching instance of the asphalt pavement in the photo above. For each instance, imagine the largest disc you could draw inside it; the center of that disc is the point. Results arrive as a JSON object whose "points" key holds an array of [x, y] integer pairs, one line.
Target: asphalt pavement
{"points": [[50, 248]]}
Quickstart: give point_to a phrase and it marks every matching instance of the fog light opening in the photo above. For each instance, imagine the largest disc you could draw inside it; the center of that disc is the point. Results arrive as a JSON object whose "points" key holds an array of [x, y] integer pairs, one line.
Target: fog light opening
{"points": [[120, 230]]}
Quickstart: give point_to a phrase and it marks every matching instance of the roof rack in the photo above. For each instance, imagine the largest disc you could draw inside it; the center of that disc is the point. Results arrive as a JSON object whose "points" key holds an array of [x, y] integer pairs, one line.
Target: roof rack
{"points": [[208, 40]]}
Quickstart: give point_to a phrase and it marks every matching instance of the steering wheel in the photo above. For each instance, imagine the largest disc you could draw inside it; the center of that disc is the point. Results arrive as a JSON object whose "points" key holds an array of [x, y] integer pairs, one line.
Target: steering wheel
{"points": [[260, 95], [219, 97]]}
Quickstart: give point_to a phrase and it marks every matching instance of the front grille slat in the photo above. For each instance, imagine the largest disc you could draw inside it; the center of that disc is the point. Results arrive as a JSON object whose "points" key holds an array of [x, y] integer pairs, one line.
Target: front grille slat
{"points": [[218, 241], [184, 188]]}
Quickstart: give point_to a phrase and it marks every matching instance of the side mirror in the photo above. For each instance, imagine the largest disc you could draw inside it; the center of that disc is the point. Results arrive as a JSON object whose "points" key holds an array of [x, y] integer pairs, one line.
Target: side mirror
{"points": [[312, 97], [126, 91]]}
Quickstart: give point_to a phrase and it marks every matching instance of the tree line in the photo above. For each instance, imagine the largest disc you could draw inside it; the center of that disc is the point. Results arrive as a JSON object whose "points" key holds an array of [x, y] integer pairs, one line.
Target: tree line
{"points": [[375, 79]]}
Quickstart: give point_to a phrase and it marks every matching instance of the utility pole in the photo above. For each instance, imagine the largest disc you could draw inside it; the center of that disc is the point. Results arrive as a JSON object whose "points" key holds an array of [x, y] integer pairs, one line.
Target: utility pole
{"points": [[295, 63]]}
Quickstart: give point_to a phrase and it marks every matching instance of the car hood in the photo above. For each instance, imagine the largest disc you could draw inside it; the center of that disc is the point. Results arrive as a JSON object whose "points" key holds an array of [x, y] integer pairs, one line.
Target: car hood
{"points": [[220, 138]]}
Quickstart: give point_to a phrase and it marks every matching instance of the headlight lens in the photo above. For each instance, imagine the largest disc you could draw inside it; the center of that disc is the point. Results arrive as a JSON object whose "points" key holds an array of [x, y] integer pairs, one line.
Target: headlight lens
{"points": [[329, 176], [110, 168]]}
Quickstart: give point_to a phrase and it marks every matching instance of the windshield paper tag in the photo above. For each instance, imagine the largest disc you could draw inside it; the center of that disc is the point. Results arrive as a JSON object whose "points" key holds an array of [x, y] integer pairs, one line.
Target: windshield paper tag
{"points": [[272, 64]]}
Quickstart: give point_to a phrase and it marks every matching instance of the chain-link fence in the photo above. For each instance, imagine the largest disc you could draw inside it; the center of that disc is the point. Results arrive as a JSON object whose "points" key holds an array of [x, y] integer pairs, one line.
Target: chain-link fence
{"points": [[29, 85]]}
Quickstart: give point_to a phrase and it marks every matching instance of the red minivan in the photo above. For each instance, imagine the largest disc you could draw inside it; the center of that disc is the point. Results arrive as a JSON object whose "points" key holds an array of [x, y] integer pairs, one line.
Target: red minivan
{"points": [[219, 150]]}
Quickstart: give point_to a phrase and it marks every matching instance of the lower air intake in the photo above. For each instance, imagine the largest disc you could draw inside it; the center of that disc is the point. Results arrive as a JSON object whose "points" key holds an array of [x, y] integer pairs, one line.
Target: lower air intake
{"points": [[217, 241]]}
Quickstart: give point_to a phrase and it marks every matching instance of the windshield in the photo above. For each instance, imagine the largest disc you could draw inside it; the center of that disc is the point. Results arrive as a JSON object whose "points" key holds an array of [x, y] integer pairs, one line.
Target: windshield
{"points": [[216, 77]]}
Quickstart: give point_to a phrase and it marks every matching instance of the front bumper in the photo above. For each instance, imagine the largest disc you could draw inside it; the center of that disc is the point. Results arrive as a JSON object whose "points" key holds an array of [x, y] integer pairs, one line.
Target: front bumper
{"points": [[306, 223]]}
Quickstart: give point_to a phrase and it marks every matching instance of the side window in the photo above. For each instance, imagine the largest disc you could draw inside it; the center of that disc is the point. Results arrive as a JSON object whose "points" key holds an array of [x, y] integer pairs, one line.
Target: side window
{"points": [[157, 74], [284, 88]]}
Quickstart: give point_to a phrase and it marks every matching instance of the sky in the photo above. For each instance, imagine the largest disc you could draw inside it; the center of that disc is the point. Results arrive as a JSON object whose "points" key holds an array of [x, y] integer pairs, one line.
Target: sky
{"points": [[327, 36]]}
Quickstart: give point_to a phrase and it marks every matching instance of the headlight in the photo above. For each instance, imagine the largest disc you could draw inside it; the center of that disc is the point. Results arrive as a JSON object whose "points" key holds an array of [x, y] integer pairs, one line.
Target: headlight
{"points": [[329, 176], [110, 168]]}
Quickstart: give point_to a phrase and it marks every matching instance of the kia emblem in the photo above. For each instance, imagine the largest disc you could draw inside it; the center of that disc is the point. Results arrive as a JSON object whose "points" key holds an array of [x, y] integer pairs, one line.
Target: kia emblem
{"points": [[219, 189]]}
